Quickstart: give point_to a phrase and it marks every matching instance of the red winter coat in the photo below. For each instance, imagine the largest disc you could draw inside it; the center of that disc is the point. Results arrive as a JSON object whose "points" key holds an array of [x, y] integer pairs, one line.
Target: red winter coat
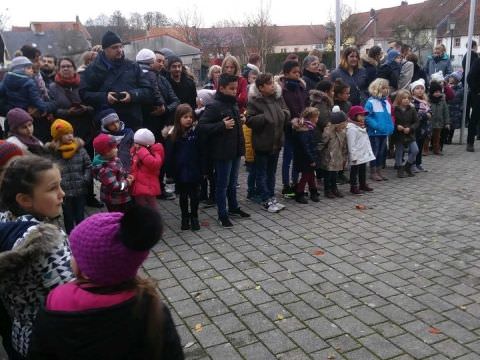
{"points": [[242, 94], [146, 165]]}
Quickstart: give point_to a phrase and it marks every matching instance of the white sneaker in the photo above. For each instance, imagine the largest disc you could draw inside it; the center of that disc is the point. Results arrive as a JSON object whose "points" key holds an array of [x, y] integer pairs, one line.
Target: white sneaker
{"points": [[271, 207], [280, 206], [170, 188]]}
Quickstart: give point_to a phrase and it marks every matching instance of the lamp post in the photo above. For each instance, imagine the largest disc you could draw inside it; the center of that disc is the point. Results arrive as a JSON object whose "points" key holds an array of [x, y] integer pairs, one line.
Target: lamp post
{"points": [[451, 27]]}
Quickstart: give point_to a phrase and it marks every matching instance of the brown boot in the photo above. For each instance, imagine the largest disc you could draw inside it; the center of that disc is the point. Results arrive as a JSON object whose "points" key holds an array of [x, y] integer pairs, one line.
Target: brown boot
{"points": [[426, 146], [436, 141]]}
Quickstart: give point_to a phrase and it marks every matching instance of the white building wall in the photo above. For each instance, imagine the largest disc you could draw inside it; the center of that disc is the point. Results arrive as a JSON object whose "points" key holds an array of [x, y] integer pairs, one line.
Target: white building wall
{"points": [[295, 48], [458, 52]]}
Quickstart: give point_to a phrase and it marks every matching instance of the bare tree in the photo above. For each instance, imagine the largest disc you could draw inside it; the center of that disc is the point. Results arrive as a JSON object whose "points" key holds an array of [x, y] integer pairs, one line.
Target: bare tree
{"points": [[224, 37], [349, 27], [153, 19], [259, 35], [188, 24], [136, 21], [417, 32]]}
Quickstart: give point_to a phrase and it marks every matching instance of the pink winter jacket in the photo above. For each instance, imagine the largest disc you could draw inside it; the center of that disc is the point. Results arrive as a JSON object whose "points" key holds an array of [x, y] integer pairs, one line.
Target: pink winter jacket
{"points": [[146, 165]]}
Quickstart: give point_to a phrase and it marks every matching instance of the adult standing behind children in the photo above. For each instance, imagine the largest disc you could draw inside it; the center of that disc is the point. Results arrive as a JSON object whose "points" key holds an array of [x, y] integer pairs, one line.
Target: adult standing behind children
{"points": [[182, 84], [311, 73], [267, 117], [231, 66], [351, 72], [221, 126], [112, 80]]}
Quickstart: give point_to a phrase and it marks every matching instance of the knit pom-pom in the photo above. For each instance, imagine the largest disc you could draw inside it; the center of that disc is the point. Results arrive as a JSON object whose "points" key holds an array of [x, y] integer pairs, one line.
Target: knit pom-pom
{"points": [[141, 228]]}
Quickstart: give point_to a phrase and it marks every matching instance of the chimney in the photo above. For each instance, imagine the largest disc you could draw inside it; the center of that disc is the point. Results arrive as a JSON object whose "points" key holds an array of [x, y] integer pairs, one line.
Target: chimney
{"points": [[36, 28], [404, 3]]}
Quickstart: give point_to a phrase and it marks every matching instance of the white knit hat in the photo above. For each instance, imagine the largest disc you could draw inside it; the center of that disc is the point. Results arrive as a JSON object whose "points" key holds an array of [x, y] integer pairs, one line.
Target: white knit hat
{"points": [[206, 96], [419, 82], [438, 76], [20, 62], [144, 137], [145, 56]]}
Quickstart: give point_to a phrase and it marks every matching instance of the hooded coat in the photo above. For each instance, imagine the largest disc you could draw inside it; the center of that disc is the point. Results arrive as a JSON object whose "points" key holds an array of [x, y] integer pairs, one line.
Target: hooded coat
{"points": [[333, 148], [146, 165], [34, 259], [267, 117]]}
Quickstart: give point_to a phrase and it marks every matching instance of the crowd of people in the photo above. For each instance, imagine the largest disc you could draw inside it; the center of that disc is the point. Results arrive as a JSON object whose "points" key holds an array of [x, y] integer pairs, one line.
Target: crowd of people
{"points": [[144, 131]]}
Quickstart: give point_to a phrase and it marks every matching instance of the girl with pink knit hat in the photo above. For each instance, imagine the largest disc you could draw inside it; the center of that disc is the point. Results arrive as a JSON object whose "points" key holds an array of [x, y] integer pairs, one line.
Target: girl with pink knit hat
{"points": [[108, 312]]}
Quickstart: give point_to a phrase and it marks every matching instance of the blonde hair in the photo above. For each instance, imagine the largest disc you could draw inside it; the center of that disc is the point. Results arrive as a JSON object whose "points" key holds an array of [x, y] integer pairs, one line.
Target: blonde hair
{"points": [[212, 69], [375, 88], [401, 94], [234, 61], [310, 112]]}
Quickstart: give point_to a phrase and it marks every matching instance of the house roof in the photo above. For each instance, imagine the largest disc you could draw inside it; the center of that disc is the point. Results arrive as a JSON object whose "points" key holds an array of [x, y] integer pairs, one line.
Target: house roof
{"points": [[433, 13], [460, 18], [300, 35], [42, 26], [179, 47], [55, 42]]}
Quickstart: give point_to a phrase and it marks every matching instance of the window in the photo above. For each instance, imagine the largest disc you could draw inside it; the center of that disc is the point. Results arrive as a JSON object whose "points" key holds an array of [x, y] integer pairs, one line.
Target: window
{"points": [[456, 42]]}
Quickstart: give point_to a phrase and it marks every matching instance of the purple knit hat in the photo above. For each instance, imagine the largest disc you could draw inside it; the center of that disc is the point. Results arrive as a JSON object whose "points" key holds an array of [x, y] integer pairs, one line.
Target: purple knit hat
{"points": [[110, 247]]}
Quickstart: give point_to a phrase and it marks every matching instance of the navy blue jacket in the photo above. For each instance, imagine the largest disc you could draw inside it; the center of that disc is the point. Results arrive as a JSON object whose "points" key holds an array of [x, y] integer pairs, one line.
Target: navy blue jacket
{"points": [[21, 91], [304, 149], [10, 232], [183, 158], [103, 76], [357, 82]]}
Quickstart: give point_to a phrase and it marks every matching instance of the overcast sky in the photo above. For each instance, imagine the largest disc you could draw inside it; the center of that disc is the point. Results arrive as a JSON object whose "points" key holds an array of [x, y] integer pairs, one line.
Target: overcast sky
{"points": [[282, 12]]}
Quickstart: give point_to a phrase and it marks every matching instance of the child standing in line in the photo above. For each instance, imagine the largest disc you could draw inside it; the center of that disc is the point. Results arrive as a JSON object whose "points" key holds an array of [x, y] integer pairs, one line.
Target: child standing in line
{"points": [[305, 157], [440, 115], [35, 255], [296, 97], [184, 162], [455, 106], [341, 94], [21, 132], [424, 112], [108, 169], [147, 160], [111, 125], [267, 116], [333, 151], [108, 312], [406, 124], [359, 150], [379, 124], [76, 170], [250, 164]]}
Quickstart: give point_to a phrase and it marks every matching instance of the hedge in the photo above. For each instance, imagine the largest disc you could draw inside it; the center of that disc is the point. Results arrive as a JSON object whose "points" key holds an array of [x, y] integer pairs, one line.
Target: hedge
{"points": [[275, 61]]}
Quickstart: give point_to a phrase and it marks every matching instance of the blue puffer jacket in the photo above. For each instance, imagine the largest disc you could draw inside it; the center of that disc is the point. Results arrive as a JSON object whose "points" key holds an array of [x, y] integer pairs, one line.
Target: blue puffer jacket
{"points": [[379, 120], [21, 91]]}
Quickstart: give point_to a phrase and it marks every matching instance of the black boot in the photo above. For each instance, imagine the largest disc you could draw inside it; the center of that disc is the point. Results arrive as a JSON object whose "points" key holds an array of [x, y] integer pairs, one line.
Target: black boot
{"points": [[185, 223], [401, 172], [314, 195], [408, 169], [300, 198], [195, 223]]}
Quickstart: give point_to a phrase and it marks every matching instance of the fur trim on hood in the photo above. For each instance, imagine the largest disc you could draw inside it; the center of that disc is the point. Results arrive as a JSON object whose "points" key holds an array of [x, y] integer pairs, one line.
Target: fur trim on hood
{"points": [[318, 97], [369, 60], [253, 91], [38, 241], [281, 81]]}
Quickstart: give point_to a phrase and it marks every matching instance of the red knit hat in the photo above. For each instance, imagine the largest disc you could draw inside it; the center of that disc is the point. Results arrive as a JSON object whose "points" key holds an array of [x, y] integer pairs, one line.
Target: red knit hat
{"points": [[8, 151], [356, 110], [104, 143]]}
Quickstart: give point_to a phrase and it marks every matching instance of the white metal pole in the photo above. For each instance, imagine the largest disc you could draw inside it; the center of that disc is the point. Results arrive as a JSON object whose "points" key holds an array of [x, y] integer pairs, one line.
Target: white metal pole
{"points": [[471, 22], [338, 21]]}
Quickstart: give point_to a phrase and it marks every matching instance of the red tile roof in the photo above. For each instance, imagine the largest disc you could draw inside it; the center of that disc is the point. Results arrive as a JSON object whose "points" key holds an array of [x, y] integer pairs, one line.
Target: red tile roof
{"points": [[55, 25]]}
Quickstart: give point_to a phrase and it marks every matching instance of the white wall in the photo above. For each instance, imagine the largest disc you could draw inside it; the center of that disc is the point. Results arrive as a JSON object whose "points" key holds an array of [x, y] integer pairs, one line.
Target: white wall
{"points": [[291, 48]]}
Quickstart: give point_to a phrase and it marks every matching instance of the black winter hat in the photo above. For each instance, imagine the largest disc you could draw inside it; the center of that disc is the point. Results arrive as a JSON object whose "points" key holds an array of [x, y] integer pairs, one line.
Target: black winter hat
{"points": [[337, 116], [109, 39], [174, 59], [435, 86]]}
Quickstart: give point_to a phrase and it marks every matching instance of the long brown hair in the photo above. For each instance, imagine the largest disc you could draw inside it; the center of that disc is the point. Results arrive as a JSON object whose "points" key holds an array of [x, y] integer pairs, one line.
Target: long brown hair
{"points": [[344, 59], [182, 110]]}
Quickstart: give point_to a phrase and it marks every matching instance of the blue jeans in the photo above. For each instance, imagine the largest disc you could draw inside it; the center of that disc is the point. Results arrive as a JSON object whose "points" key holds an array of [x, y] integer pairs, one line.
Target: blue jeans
{"points": [[287, 160], [251, 178], [226, 176], [73, 211], [266, 166], [412, 153], [379, 147]]}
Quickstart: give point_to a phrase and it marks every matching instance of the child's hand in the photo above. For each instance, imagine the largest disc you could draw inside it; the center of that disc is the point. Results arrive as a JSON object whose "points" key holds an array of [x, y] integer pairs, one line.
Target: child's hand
{"points": [[228, 122], [243, 119], [400, 127], [313, 164], [406, 130], [112, 97]]}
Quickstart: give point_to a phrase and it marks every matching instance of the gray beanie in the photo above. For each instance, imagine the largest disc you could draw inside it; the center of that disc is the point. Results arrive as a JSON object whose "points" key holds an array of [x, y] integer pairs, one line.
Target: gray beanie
{"points": [[20, 62], [308, 60]]}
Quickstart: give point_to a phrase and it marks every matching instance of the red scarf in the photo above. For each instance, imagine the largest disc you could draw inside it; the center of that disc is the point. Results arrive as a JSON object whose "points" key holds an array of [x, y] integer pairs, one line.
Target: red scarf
{"points": [[74, 81]]}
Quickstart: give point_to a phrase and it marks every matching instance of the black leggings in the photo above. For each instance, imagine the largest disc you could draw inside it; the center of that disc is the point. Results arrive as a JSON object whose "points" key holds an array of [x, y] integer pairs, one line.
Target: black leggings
{"points": [[188, 191], [359, 171]]}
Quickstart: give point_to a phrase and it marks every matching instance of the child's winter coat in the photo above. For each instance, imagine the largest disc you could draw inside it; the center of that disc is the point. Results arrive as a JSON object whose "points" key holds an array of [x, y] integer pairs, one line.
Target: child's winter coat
{"points": [[124, 138], [424, 112], [113, 179], [267, 117], [407, 118], [184, 158], [440, 113], [333, 148], [249, 152], [379, 120], [358, 143], [146, 165], [76, 169], [455, 107], [304, 146]]}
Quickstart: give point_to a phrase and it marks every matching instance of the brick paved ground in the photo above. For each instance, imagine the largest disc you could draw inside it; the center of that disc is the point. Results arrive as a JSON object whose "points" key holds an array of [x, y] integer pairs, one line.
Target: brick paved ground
{"points": [[400, 280]]}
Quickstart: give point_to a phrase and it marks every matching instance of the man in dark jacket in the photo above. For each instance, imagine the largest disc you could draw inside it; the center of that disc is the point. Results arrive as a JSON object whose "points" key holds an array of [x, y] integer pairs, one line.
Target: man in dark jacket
{"points": [[391, 69], [113, 81], [473, 80], [221, 127], [182, 84]]}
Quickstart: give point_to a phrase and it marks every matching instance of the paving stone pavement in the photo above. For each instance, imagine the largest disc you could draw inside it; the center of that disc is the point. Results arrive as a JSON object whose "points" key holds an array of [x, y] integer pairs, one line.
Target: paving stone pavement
{"points": [[399, 280]]}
